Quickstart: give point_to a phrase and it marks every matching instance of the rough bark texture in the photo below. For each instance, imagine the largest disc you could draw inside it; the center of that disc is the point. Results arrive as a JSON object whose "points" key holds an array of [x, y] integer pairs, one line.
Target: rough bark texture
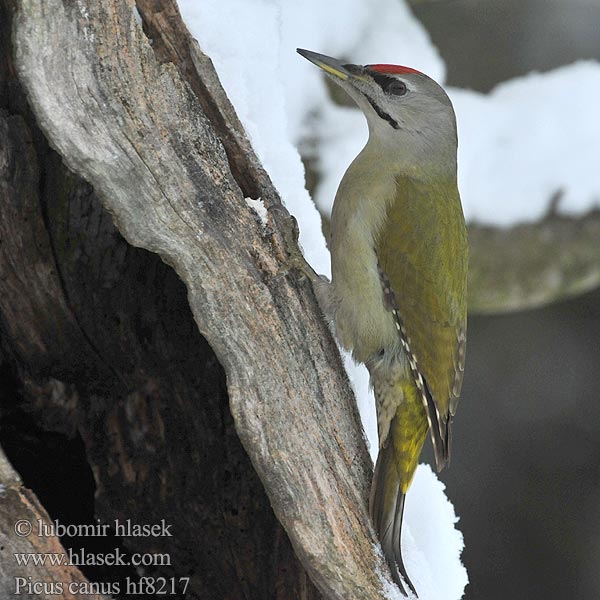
{"points": [[102, 340], [137, 132], [234, 418], [19, 508]]}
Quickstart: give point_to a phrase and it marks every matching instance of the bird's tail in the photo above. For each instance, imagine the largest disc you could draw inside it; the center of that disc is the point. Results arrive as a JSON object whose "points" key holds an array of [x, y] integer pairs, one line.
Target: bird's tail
{"points": [[395, 468]]}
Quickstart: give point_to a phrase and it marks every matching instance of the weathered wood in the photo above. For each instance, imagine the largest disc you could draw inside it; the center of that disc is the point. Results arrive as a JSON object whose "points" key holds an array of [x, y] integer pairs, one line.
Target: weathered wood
{"points": [[136, 131], [101, 340], [19, 511], [172, 42]]}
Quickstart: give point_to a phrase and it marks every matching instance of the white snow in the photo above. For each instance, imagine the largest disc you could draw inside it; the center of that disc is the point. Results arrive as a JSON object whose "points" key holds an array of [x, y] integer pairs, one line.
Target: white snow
{"points": [[359, 378], [431, 546], [430, 559], [137, 16], [282, 101], [258, 206], [528, 139]]}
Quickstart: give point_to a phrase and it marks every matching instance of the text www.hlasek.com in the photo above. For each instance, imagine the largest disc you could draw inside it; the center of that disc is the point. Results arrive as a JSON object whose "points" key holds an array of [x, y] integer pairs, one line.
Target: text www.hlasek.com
{"points": [[82, 558]]}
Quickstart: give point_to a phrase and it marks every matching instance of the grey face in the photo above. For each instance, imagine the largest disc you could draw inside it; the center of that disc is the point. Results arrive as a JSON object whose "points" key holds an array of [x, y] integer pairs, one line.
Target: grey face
{"points": [[408, 113], [389, 86], [408, 101]]}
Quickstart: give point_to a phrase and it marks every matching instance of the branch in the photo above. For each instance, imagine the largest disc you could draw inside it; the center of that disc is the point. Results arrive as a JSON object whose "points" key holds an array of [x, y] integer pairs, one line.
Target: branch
{"points": [[137, 131], [530, 265]]}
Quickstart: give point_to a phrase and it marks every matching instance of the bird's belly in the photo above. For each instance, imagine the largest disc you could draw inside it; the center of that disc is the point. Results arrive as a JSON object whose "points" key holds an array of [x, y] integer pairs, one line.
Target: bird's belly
{"points": [[363, 324]]}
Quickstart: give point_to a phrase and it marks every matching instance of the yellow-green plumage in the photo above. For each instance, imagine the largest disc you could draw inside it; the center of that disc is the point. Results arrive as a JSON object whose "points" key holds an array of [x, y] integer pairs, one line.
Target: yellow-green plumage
{"points": [[399, 264], [399, 260], [397, 462], [422, 249], [408, 427]]}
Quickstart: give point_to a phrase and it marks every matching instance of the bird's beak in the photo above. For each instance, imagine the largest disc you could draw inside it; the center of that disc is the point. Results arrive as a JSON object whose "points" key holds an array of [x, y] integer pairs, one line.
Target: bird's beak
{"points": [[331, 65]]}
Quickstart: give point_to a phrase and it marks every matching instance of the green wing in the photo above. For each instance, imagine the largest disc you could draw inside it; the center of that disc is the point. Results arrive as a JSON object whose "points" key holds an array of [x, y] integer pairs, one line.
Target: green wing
{"points": [[422, 250]]}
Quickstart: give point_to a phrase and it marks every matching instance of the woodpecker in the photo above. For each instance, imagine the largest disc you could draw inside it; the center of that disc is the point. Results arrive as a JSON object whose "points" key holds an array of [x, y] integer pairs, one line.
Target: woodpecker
{"points": [[397, 296]]}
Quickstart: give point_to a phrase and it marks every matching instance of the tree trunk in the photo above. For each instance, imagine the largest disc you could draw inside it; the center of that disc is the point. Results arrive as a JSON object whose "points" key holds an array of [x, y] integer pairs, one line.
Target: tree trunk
{"points": [[20, 510], [102, 340], [147, 311]]}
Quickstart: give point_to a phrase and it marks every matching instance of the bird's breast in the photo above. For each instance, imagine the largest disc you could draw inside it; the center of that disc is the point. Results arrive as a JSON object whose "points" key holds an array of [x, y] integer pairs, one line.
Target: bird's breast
{"points": [[363, 324]]}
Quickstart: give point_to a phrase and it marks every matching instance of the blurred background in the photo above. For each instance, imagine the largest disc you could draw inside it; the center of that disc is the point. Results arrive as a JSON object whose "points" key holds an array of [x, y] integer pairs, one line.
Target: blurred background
{"points": [[485, 42], [525, 476]]}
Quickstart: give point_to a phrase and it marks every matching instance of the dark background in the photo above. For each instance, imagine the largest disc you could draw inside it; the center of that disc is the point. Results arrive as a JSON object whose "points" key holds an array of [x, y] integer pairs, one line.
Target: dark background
{"points": [[525, 476], [526, 455]]}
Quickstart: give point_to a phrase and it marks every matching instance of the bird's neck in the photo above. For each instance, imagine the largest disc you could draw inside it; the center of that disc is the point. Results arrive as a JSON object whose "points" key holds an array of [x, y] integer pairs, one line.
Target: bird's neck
{"points": [[384, 160], [420, 155]]}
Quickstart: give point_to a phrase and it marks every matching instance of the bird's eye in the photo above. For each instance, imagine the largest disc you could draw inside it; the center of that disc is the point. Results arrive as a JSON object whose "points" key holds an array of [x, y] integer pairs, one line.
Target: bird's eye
{"points": [[396, 87]]}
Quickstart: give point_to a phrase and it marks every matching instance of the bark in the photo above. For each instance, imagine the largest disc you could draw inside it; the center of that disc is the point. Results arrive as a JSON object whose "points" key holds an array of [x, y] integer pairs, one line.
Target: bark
{"points": [[208, 393], [148, 401], [103, 342], [20, 509]]}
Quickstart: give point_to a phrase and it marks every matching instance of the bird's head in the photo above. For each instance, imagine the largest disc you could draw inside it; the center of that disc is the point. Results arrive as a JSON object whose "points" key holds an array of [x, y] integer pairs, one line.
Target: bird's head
{"points": [[405, 109]]}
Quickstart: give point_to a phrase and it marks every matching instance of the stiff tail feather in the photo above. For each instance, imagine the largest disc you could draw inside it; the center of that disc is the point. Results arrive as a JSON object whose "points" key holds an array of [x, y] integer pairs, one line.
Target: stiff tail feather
{"points": [[387, 508], [395, 468]]}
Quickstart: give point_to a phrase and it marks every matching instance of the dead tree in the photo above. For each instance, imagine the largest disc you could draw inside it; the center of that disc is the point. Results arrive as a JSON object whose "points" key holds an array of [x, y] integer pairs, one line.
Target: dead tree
{"points": [[146, 308], [102, 335]]}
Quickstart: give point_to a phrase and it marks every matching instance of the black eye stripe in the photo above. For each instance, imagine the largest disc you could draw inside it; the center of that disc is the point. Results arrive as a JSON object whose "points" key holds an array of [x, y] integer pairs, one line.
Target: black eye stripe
{"points": [[381, 80], [390, 85]]}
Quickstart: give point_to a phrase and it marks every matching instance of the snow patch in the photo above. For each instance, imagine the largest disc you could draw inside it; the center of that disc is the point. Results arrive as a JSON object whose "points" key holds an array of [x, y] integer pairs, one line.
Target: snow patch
{"points": [[431, 544], [529, 139], [137, 16], [282, 100], [259, 209]]}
